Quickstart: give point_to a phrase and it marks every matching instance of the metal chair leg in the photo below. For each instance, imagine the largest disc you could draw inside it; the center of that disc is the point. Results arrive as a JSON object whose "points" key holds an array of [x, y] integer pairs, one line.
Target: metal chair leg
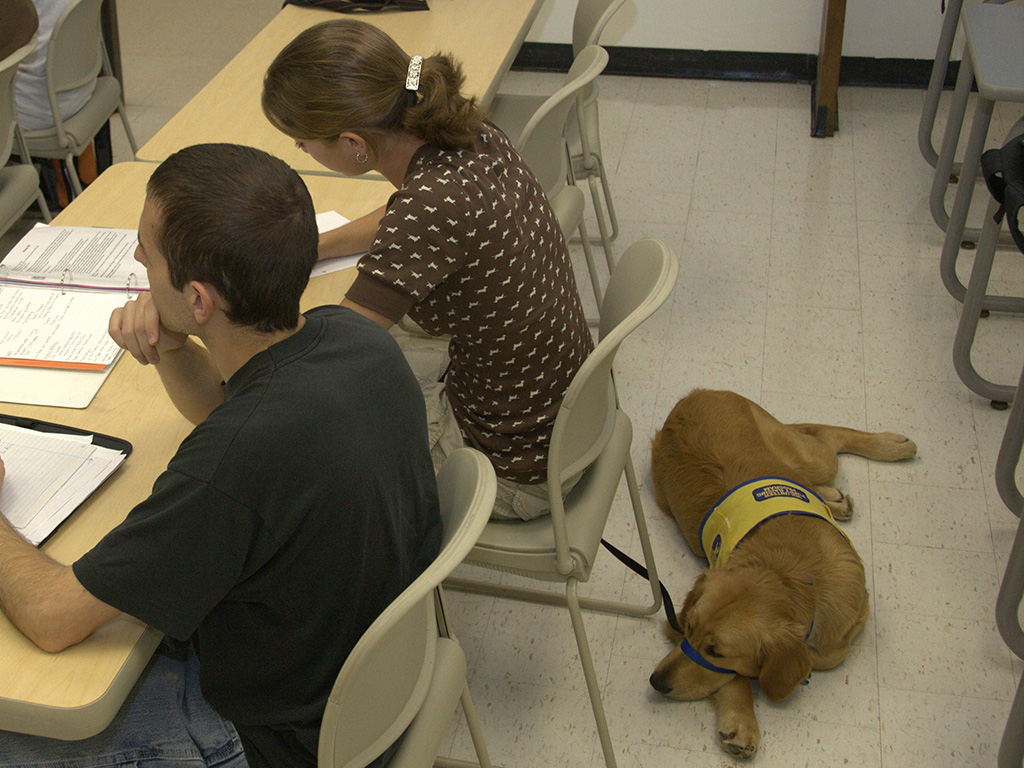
{"points": [[589, 674], [1009, 457], [955, 231], [936, 81], [602, 225], [1011, 748], [950, 139], [1011, 591], [975, 300], [76, 183]]}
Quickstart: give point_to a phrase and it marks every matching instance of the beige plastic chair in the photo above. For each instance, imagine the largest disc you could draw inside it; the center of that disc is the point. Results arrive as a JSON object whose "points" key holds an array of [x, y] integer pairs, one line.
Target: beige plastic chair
{"points": [[510, 111], [19, 184], [407, 674], [542, 145], [75, 57], [591, 435]]}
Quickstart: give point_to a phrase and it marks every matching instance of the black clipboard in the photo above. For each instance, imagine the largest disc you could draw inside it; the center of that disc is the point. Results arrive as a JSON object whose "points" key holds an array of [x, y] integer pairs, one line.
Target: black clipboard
{"points": [[99, 439], [106, 441]]}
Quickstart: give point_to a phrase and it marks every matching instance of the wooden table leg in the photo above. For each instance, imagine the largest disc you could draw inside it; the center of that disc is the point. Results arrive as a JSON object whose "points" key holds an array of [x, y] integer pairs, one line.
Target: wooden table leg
{"points": [[825, 92]]}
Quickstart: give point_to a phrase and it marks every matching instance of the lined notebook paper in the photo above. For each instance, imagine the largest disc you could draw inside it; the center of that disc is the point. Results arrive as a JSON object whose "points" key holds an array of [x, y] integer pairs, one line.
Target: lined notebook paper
{"points": [[48, 476]]}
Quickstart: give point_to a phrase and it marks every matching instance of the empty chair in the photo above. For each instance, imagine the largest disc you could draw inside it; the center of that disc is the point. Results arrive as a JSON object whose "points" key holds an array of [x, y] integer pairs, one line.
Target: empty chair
{"points": [[19, 184], [511, 111], [407, 674], [543, 147], [592, 434], [74, 58]]}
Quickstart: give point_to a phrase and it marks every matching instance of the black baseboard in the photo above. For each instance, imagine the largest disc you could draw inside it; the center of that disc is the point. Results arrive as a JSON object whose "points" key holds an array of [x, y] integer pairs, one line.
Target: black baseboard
{"points": [[736, 65]]}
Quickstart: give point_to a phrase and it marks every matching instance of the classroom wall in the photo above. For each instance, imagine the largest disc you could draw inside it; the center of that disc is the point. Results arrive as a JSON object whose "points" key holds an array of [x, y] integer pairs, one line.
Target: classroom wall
{"points": [[907, 29]]}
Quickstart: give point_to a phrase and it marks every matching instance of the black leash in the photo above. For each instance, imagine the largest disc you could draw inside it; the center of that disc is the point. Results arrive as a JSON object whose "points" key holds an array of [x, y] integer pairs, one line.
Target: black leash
{"points": [[634, 566]]}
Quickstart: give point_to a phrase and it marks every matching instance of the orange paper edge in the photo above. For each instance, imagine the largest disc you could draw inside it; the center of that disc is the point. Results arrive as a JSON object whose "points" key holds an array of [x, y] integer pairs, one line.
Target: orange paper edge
{"points": [[27, 363]]}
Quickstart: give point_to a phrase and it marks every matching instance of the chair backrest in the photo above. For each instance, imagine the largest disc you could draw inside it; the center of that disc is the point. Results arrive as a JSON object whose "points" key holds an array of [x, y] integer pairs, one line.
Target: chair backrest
{"points": [[8, 110], [640, 283], [385, 678], [75, 55], [542, 142], [591, 17]]}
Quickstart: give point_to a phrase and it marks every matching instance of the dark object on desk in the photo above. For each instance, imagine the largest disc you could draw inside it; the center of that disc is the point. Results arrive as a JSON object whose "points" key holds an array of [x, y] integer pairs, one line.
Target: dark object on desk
{"points": [[353, 6], [104, 441], [38, 513]]}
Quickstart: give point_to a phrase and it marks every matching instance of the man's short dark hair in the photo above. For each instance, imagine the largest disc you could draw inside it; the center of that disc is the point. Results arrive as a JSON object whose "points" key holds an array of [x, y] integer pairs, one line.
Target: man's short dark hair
{"points": [[242, 221]]}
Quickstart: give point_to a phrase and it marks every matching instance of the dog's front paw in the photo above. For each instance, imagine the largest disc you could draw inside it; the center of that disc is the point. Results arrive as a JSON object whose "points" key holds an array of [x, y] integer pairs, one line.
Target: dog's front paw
{"points": [[838, 503], [739, 735]]}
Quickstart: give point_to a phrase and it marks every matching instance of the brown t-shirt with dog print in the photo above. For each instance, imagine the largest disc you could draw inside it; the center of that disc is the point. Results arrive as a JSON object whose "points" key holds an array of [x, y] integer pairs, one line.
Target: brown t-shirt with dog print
{"points": [[470, 248]]}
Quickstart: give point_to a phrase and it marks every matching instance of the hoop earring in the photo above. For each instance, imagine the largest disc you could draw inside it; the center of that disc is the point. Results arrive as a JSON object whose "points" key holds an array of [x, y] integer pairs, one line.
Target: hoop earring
{"points": [[361, 159]]}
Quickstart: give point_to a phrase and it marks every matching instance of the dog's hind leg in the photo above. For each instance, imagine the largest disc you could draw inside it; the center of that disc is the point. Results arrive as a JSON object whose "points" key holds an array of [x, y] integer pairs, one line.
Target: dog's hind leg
{"points": [[803, 455], [877, 446], [737, 723], [807, 453]]}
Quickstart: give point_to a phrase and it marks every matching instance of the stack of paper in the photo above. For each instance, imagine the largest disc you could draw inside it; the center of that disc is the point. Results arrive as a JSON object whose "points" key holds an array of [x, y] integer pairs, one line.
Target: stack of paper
{"points": [[58, 286], [49, 329], [48, 475]]}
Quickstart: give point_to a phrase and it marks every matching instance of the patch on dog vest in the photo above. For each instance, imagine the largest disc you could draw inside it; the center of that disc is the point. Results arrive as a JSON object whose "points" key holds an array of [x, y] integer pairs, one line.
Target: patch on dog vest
{"points": [[747, 505]]}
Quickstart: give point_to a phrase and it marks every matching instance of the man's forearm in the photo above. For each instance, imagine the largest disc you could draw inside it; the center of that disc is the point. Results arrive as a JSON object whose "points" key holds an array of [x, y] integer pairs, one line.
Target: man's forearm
{"points": [[42, 597], [192, 380]]}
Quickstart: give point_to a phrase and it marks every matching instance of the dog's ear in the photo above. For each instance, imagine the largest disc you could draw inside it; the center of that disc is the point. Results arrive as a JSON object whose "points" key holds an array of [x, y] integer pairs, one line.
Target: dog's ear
{"points": [[785, 664]]}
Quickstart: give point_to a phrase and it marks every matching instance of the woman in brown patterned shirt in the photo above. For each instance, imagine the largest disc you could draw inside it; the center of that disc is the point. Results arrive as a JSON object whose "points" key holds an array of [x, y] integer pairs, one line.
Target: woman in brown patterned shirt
{"points": [[468, 246]]}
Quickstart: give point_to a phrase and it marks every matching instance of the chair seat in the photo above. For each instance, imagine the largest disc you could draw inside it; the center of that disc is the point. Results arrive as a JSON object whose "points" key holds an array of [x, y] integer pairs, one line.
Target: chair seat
{"points": [[80, 127], [19, 187], [528, 548]]}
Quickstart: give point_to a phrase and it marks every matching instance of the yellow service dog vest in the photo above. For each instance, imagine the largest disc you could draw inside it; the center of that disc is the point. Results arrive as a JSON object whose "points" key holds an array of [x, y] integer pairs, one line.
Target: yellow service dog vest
{"points": [[751, 503]]}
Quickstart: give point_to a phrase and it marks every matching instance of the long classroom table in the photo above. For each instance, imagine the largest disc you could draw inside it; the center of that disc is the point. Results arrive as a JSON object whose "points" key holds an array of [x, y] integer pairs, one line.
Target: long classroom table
{"points": [[75, 693], [484, 35]]}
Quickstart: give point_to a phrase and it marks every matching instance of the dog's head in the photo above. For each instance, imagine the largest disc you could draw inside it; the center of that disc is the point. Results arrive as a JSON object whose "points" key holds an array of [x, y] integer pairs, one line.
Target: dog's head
{"points": [[741, 620]]}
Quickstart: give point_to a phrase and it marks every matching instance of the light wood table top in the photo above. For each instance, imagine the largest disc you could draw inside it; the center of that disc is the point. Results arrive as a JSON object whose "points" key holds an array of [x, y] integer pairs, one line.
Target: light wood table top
{"points": [[484, 35], [75, 693]]}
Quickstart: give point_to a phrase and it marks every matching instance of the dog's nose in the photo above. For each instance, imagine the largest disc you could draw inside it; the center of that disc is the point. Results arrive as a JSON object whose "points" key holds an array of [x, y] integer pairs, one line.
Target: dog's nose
{"points": [[660, 683]]}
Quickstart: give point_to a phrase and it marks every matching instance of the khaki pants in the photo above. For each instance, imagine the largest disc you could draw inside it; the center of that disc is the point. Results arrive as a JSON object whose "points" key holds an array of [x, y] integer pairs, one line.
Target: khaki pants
{"points": [[428, 358]]}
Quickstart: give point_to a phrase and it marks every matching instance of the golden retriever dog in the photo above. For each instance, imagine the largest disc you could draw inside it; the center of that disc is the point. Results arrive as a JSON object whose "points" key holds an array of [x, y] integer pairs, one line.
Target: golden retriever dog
{"points": [[791, 595]]}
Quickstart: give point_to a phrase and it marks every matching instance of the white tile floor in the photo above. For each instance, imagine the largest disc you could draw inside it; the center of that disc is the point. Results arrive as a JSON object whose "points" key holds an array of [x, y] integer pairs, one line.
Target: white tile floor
{"points": [[808, 282]]}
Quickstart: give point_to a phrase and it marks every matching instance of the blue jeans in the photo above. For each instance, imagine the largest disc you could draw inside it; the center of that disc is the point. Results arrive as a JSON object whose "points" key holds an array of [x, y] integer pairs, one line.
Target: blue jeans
{"points": [[164, 723]]}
